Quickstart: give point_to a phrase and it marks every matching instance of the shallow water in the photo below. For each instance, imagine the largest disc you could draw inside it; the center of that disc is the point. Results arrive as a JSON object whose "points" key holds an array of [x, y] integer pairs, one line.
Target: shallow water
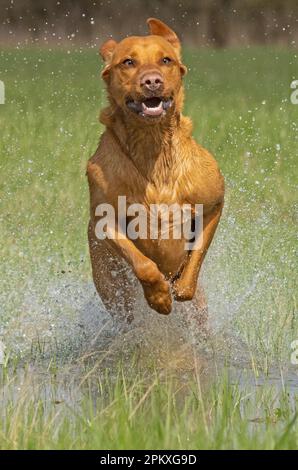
{"points": [[54, 317], [64, 327]]}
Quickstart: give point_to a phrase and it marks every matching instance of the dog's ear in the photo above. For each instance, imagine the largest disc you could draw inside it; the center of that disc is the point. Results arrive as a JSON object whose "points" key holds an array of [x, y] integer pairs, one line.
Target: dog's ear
{"points": [[159, 28], [106, 51]]}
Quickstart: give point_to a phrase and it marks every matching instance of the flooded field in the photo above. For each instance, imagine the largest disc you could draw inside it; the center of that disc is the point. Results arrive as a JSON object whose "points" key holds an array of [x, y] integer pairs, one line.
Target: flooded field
{"points": [[73, 377]]}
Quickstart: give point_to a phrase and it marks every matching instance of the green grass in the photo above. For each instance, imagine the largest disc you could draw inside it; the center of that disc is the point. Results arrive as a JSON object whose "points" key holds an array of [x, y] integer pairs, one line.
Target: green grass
{"points": [[158, 413], [239, 101]]}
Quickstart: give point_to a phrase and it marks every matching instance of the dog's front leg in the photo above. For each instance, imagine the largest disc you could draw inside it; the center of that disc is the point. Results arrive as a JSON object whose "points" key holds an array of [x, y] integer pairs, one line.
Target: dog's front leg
{"points": [[185, 285], [156, 287]]}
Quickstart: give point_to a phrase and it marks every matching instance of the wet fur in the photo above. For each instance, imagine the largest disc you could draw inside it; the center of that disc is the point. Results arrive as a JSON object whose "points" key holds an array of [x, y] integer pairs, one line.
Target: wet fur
{"points": [[149, 163]]}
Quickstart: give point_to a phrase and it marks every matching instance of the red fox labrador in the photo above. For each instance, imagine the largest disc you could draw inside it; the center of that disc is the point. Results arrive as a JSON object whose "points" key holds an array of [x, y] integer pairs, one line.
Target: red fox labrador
{"points": [[147, 155]]}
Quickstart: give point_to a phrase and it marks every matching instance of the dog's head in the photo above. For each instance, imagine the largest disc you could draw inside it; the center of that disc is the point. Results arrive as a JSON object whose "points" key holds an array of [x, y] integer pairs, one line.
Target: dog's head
{"points": [[144, 74]]}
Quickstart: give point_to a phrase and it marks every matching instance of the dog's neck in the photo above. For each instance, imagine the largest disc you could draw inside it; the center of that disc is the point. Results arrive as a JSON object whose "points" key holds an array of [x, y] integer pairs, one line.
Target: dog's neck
{"points": [[149, 146]]}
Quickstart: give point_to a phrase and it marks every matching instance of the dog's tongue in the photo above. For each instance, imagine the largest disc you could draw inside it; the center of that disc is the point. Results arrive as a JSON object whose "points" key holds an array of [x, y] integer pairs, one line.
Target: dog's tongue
{"points": [[152, 108]]}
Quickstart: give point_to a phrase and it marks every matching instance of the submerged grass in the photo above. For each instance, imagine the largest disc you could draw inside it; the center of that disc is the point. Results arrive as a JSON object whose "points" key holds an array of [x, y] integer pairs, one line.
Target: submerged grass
{"points": [[240, 103], [156, 413]]}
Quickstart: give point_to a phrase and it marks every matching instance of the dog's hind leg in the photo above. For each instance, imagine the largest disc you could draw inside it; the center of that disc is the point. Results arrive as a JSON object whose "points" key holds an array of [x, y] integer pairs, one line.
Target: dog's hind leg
{"points": [[113, 279]]}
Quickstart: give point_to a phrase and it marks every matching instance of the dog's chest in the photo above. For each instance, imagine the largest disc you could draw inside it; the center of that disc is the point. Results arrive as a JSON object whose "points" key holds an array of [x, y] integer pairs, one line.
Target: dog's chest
{"points": [[164, 211], [172, 189]]}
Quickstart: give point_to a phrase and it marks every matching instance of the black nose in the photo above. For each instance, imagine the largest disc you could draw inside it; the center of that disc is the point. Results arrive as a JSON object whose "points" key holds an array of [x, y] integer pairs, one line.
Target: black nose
{"points": [[152, 81]]}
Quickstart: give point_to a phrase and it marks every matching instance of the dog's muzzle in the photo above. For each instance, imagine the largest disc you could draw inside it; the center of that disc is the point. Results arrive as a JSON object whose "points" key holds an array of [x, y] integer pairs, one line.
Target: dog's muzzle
{"points": [[151, 107]]}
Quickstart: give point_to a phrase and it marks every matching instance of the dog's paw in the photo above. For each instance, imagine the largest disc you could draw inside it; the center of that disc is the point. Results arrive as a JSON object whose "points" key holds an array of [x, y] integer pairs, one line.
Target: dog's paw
{"points": [[158, 296], [182, 292]]}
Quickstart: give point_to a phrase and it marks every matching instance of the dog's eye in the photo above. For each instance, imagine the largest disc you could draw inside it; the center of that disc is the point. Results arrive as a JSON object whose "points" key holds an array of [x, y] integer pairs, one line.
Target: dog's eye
{"points": [[166, 60], [128, 62]]}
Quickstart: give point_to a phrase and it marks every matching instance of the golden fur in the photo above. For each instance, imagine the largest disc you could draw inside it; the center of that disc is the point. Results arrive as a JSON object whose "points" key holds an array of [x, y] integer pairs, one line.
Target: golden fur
{"points": [[150, 161]]}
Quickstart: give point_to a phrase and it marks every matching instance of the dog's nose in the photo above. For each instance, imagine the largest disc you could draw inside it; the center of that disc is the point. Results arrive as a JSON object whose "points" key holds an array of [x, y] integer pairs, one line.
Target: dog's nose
{"points": [[152, 81]]}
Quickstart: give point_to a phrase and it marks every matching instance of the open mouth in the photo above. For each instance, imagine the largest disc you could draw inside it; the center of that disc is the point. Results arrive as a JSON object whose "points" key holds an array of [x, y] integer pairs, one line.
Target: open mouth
{"points": [[151, 107]]}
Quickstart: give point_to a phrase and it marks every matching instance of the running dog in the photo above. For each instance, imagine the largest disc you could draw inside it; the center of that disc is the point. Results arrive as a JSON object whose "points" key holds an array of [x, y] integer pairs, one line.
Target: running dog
{"points": [[148, 155]]}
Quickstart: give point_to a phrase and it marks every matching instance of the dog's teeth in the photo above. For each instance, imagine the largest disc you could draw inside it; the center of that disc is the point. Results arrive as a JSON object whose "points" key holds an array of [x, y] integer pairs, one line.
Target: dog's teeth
{"points": [[154, 111]]}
